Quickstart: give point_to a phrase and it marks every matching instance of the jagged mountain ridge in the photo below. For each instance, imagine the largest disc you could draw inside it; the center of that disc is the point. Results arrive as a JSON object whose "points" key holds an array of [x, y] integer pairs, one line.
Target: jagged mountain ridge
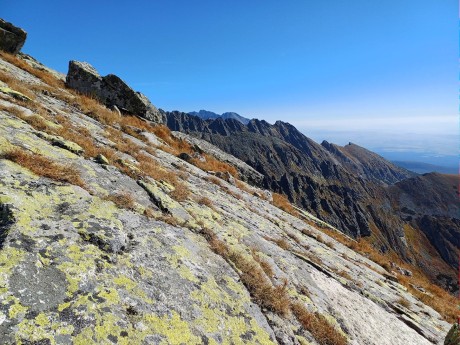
{"points": [[209, 115], [345, 186], [367, 164]]}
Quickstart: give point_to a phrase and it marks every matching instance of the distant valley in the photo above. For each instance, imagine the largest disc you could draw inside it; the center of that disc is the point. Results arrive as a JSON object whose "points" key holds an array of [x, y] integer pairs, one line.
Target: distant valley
{"points": [[423, 168]]}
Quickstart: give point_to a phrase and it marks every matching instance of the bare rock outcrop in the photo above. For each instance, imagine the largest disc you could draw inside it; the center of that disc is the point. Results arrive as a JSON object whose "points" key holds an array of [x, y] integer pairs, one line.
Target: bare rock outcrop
{"points": [[111, 90], [12, 38]]}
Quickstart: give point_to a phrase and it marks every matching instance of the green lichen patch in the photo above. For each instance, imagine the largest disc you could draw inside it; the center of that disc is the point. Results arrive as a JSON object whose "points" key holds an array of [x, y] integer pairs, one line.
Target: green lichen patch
{"points": [[61, 142], [15, 94]]}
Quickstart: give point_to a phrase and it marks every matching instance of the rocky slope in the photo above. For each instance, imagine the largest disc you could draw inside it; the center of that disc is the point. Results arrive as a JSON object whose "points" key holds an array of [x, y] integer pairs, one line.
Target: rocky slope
{"points": [[108, 237], [430, 203], [367, 164], [344, 186]]}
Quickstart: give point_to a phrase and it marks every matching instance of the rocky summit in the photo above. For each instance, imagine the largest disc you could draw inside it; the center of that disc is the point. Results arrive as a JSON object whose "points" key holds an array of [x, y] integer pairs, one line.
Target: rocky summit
{"points": [[115, 230]]}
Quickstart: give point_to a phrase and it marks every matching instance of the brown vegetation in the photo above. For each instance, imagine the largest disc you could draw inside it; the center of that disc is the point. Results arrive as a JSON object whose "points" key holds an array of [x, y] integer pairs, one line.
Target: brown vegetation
{"points": [[122, 200], [274, 298], [94, 109], [44, 166], [263, 263], [255, 276], [318, 326], [280, 242], [42, 74], [181, 192], [205, 201], [217, 181], [440, 300], [283, 203], [16, 85], [403, 302]]}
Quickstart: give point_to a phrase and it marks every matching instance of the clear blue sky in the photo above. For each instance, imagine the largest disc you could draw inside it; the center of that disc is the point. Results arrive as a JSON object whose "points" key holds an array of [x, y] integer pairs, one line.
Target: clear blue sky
{"points": [[375, 72]]}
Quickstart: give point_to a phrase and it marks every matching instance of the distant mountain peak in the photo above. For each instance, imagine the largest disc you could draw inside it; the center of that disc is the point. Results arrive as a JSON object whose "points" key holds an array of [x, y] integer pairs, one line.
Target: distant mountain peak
{"points": [[209, 115]]}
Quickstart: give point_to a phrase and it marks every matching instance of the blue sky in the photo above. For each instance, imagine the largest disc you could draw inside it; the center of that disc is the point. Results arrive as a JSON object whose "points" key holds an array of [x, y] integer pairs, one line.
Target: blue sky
{"points": [[383, 74]]}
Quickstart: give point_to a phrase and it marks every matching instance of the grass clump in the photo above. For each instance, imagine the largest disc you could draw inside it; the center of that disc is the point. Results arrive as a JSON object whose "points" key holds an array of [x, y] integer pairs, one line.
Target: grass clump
{"points": [[274, 298], [94, 109], [283, 203], [403, 302], [42, 74], [205, 201], [181, 192], [321, 329], [280, 242], [43, 166], [122, 200]]}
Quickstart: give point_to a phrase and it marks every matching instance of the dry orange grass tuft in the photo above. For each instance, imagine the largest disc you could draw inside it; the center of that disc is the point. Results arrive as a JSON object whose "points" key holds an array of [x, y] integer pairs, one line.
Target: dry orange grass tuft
{"points": [[403, 302], [149, 213], [181, 192], [217, 181], [274, 298], [243, 186], [93, 108], [17, 85], [280, 242], [263, 263], [164, 133], [122, 200], [283, 203], [133, 125], [318, 326], [205, 201], [211, 164], [42, 74], [44, 166]]}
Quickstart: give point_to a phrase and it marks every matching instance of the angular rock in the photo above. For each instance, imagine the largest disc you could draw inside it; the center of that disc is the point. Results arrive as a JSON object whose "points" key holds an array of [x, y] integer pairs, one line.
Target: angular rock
{"points": [[111, 90], [101, 159], [12, 38], [59, 141]]}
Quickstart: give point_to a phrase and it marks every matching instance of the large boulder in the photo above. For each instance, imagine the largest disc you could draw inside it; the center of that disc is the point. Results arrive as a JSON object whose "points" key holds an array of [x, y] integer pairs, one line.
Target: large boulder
{"points": [[111, 90], [12, 38]]}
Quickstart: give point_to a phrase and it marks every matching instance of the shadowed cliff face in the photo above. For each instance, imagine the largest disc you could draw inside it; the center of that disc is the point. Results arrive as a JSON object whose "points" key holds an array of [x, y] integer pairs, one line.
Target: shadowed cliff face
{"points": [[430, 203], [347, 187], [311, 176]]}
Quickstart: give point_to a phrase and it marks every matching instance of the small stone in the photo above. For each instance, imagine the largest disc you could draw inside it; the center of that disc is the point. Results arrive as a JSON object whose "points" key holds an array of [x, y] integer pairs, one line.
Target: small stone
{"points": [[101, 159], [68, 145], [185, 156]]}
